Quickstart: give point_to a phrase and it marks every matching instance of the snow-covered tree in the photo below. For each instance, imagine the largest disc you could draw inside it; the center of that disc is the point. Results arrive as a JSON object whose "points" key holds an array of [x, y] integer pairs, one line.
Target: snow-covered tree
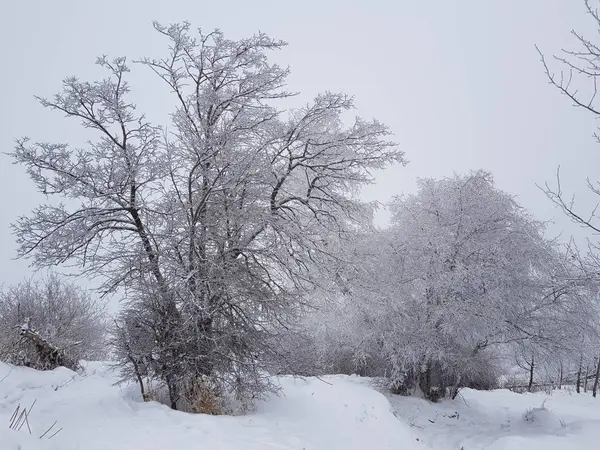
{"points": [[38, 318], [480, 274], [462, 272], [214, 223]]}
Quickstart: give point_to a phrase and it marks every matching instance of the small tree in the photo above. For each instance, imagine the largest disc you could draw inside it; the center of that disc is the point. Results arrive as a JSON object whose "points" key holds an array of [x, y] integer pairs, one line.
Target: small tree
{"points": [[133, 340], [50, 322]]}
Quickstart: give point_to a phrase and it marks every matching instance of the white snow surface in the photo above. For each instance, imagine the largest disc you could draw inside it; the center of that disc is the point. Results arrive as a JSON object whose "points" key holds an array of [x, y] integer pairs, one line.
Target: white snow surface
{"points": [[504, 420], [339, 412], [335, 412]]}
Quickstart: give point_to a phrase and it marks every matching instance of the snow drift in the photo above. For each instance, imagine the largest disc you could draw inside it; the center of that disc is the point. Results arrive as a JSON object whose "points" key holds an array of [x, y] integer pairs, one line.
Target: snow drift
{"points": [[337, 412]]}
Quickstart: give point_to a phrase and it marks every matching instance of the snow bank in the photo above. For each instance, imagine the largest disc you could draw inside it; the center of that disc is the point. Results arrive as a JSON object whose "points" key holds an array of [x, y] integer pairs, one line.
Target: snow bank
{"points": [[337, 412], [504, 420]]}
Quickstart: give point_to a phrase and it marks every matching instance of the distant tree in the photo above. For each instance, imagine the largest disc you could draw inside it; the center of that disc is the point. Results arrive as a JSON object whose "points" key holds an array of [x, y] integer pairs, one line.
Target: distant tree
{"points": [[596, 377], [47, 323], [462, 271], [215, 224]]}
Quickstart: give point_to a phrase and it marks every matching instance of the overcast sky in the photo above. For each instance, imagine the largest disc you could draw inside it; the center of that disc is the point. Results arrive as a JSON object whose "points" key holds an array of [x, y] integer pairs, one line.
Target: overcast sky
{"points": [[458, 82]]}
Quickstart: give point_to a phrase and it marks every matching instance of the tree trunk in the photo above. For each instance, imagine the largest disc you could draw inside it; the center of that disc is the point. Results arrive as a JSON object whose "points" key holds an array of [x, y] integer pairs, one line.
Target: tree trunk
{"points": [[425, 381], [531, 367], [173, 395], [595, 388], [585, 378], [140, 379], [578, 387], [455, 388], [560, 376]]}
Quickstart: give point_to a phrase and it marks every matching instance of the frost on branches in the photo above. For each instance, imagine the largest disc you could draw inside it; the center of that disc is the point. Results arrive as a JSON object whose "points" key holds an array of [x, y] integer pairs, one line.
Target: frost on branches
{"points": [[50, 323], [215, 225], [573, 72], [462, 273]]}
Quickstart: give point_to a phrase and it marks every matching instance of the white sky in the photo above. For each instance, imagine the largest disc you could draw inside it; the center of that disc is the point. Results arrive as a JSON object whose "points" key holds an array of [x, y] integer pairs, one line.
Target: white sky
{"points": [[459, 82]]}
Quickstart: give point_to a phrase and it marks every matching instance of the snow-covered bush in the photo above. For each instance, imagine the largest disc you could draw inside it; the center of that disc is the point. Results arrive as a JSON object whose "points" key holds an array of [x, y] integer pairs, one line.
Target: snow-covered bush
{"points": [[50, 316], [543, 418]]}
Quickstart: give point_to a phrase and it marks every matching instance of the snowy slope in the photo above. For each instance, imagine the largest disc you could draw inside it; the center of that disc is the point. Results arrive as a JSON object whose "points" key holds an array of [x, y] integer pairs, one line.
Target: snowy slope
{"points": [[337, 413]]}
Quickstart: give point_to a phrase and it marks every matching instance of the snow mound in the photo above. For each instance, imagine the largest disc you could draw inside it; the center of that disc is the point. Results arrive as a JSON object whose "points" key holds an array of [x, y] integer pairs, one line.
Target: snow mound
{"points": [[336, 412], [504, 420], [543, 419]]}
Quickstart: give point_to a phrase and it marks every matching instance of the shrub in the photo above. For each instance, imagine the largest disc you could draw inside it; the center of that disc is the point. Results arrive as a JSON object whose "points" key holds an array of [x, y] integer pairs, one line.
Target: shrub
{"points": [[47, 323]]}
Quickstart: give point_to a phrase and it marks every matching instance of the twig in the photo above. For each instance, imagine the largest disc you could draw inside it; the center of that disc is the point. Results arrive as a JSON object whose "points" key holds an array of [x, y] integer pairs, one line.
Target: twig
{"points": [[463, 398], [48, 430], [58, 431], [14, 415], [323, 381], [20, 417], [27, 416], [57, 387], [6, 376]]}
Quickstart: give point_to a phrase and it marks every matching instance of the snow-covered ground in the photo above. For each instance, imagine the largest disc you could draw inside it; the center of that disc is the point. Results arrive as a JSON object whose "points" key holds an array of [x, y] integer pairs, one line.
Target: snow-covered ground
{"points": [[337, 412], [504, 420]]}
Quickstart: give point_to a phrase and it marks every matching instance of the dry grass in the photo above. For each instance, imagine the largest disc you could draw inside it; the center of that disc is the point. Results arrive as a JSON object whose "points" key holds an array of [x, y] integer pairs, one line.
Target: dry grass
{"points": [[202, 397]]}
